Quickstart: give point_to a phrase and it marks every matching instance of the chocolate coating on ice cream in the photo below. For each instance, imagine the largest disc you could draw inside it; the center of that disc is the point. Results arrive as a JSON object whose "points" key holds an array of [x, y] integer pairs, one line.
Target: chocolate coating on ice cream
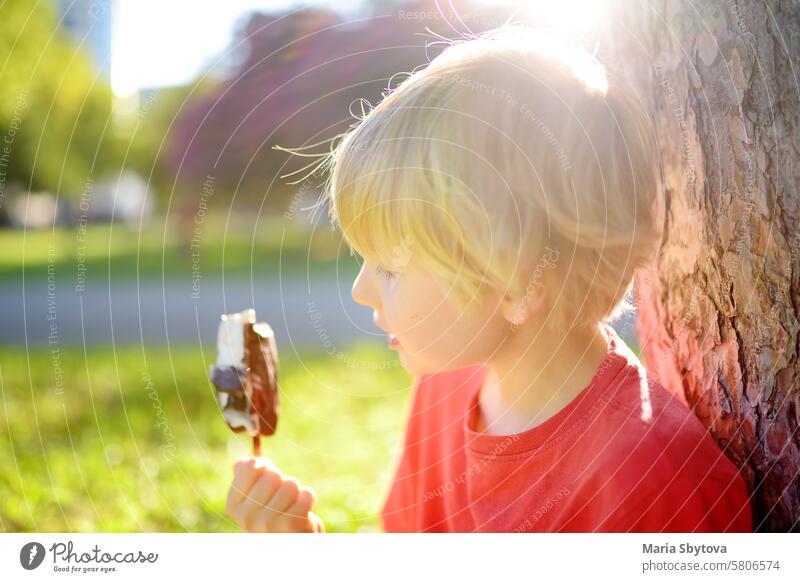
{"points": [[246, 374], [262, 359]]}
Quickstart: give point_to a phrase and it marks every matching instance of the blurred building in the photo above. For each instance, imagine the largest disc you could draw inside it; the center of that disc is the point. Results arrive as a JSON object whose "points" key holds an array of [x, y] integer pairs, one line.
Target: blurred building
{"points": [[124, 198]]}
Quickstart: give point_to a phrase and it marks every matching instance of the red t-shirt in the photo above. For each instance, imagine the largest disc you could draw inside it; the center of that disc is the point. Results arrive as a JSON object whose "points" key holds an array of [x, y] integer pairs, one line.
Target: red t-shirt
{"points": [[623, 455]]}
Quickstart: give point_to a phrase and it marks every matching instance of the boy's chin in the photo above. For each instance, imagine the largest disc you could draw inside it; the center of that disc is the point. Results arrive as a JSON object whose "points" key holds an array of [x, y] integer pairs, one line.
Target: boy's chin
{"points": [[412, 366], [416, 368], [407, 366]]}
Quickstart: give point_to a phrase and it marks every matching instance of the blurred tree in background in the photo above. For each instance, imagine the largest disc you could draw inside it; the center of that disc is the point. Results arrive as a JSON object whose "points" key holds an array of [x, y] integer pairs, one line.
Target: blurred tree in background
{"points": [[298, 82], [290, 79], [149, 130], [55, 107]]}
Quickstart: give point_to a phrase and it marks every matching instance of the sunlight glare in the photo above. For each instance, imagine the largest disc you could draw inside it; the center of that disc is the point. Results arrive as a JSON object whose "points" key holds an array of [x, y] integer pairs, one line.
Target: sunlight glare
{"points": [[573, 17]]}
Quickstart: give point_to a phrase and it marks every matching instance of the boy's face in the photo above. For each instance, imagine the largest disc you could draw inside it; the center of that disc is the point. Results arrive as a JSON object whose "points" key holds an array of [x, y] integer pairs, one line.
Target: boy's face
{"points": [[433, 336]]}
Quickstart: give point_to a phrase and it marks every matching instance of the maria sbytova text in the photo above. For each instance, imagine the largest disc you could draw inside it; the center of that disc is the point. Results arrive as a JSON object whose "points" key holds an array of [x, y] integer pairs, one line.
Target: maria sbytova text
{"points": [[683, 549]]}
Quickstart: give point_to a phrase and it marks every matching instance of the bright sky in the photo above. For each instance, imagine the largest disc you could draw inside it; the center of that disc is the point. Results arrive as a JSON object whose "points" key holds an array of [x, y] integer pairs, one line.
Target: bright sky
{"points": [[158, 43]]}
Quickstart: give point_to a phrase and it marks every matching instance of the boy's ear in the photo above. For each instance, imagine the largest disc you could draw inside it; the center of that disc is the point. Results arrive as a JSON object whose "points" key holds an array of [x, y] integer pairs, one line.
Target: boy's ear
{"points": [[520, 309]]}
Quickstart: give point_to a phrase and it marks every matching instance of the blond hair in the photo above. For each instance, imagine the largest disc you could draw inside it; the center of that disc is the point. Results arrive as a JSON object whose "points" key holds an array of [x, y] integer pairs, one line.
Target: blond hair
{"points": [[511, 163]]}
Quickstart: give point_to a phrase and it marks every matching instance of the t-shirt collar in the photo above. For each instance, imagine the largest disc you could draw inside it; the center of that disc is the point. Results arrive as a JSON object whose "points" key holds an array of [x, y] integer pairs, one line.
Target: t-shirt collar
{"points": [[554, 428]]}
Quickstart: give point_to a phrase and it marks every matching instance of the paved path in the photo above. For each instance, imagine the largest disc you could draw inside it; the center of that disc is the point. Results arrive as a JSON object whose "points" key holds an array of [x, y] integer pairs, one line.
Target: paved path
{"points": [[307, 312], [148, 311]]}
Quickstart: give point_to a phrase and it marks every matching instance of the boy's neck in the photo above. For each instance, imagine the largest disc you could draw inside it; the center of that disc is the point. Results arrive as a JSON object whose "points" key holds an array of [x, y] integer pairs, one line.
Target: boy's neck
{"points": [[532, 378]]}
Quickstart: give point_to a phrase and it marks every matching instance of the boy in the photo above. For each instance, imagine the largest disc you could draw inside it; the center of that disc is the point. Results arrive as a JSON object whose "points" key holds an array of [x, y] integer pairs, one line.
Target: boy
{"points": [[502, 199]]}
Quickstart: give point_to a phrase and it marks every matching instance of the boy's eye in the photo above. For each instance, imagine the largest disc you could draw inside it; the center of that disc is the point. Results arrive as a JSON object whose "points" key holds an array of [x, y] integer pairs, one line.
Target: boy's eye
{"points": [[383, 272]]}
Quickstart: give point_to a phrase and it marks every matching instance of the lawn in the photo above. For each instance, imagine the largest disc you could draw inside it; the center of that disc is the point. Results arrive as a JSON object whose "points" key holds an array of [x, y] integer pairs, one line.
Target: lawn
{"points": [[221, 246], [125, 440]]}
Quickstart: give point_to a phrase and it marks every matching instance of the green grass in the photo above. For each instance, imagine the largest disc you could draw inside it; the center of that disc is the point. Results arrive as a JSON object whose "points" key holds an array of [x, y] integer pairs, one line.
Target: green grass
{"points": [[221, 248], [126, 441]]}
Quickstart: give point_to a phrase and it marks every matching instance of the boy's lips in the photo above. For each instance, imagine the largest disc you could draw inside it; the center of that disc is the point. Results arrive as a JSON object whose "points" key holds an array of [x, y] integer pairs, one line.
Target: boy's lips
{"points": [[391, 339]]}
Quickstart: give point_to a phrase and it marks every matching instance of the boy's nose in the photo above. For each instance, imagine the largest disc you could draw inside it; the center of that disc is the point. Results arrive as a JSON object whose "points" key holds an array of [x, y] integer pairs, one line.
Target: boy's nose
{"points": [[363, 292]]}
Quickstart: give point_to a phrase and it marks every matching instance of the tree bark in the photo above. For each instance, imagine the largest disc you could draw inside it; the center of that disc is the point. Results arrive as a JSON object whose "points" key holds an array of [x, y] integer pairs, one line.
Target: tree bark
{"points": [[718, 310]]}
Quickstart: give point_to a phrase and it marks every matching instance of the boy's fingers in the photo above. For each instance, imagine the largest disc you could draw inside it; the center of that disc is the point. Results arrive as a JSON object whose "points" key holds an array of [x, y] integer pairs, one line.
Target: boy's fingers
{"points": [[263, 498], [246, 471], [263, 520], [319, 525], [244, 477], [258, 496], [243, 461], [285, 496], [265, 463], [266, 518], [296, 518], [254, 462], [302, 506], [311, 492]]}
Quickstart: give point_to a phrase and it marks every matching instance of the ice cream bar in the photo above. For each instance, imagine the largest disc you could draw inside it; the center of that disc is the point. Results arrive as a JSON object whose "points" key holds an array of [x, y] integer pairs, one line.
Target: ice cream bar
{"points": [[245, 375]]}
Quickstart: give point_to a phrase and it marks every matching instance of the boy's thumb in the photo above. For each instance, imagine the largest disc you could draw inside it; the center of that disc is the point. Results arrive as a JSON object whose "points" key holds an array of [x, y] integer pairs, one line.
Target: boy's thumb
{"points": [[243, 461]]}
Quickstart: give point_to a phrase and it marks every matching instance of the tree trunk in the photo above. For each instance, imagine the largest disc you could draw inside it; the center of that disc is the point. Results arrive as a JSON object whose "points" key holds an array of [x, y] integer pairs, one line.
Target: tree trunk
{"points": [[718, 311]]}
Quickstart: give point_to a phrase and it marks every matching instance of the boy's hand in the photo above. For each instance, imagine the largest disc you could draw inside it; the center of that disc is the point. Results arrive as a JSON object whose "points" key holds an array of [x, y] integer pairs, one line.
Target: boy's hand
{"points": [[263, 499]]}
